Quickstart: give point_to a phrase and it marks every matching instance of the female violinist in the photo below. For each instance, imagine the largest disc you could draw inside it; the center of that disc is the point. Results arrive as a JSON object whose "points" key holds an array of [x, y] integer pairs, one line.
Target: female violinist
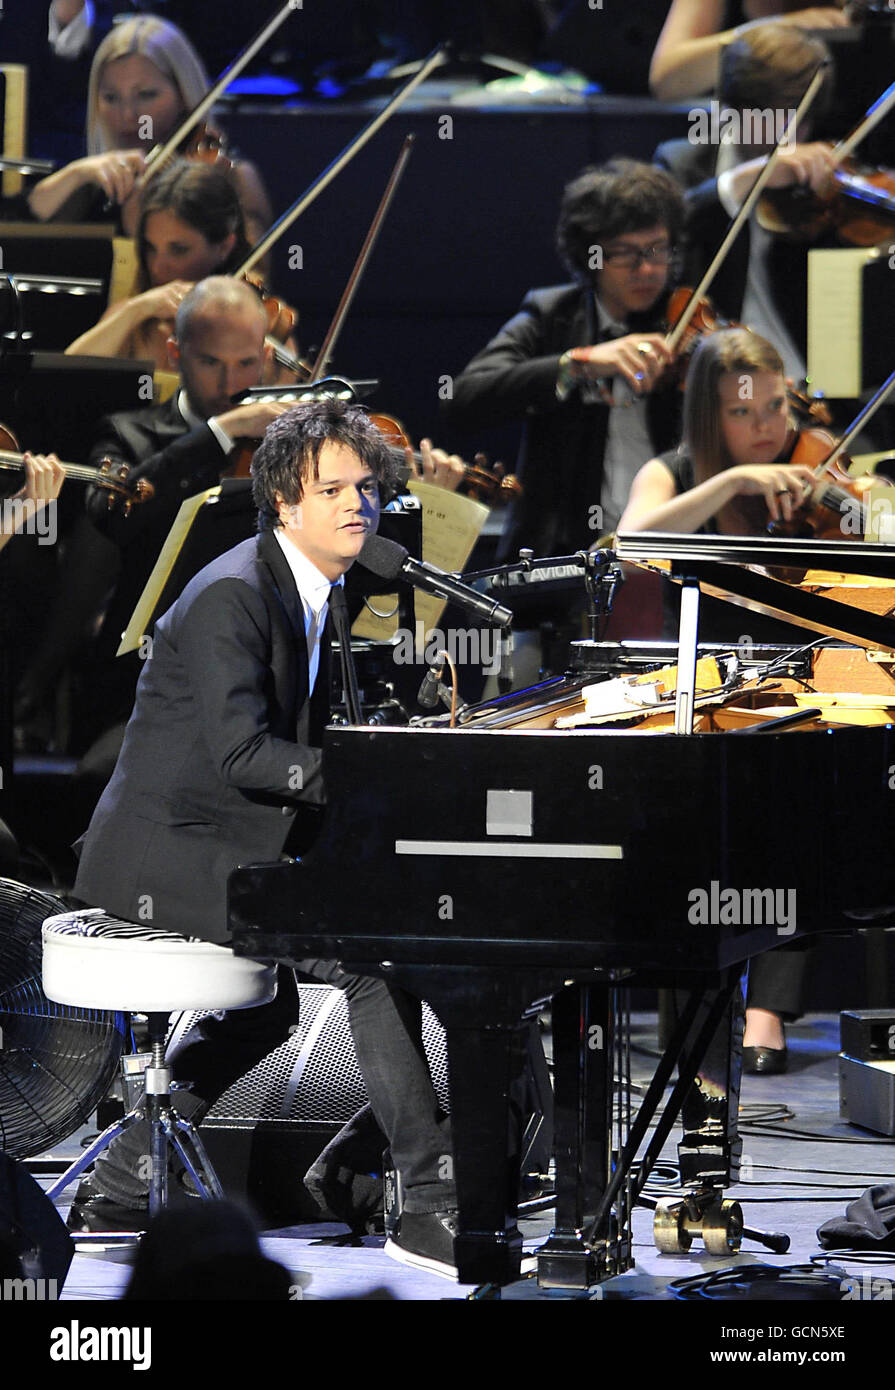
{"points": [[191, 226], [735, 450], [730, 475], [145, 77]]}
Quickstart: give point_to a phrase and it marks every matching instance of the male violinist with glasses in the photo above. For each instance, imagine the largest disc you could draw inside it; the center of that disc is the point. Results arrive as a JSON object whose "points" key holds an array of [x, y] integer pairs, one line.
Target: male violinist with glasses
{"points": [[583, 365]]}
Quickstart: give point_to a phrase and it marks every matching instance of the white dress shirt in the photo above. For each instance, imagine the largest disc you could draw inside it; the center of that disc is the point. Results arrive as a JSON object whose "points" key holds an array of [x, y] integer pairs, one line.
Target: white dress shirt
{"points": [[314, 591]]}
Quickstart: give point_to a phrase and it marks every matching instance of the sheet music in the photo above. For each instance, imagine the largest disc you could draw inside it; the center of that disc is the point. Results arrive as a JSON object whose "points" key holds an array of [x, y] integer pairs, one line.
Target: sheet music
{"points": [[451, 527], [835, 353], [161, 573]]}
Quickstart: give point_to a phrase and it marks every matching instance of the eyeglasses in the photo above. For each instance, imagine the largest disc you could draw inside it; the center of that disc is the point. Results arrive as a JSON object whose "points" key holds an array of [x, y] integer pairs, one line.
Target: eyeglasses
{"points": [[630, 257]]}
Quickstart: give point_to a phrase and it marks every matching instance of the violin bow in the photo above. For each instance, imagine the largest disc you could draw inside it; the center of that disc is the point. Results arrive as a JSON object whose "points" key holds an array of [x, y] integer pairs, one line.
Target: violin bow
{"points": [[283, 223], [864, 415], [872, 117], [360, 264], [159, 153], [673, 339]]}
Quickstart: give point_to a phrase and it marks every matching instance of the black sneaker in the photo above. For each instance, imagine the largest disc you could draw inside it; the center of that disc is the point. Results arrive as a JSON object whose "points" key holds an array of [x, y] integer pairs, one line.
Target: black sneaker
{"points": [[426, 1241], [91, 1213]]}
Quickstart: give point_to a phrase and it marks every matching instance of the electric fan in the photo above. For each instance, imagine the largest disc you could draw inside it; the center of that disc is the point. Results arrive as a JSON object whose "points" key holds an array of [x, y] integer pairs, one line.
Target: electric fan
{"points": [[56, 1062]]}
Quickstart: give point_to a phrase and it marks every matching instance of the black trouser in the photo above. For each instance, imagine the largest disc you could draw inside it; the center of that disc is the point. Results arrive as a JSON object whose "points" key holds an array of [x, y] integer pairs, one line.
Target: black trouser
{"points": [[386, 1023]]}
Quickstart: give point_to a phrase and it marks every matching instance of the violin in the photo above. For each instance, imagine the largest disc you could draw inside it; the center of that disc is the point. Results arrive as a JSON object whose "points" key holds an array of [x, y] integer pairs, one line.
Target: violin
{"points": [[859, 205], [834, 508], [492, 486], [705, 320], [111, 475], [824, 510], [859, 208]]}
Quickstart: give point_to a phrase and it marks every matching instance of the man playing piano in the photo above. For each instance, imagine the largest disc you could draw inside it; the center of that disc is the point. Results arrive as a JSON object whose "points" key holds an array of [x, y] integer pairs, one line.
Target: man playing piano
{"points": [[221, 765]]}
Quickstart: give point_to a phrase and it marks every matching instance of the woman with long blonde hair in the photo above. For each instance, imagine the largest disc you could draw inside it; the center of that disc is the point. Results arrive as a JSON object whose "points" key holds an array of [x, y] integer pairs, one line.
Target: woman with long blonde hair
{"points": [[146, 76]]}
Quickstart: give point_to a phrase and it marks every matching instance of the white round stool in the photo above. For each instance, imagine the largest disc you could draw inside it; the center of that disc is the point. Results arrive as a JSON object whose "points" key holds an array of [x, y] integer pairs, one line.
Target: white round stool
{"points": [[94, 961]]}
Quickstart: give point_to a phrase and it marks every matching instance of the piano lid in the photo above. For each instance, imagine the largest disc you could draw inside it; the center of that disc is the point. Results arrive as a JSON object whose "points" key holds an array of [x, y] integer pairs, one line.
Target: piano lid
{"points": [[723, 566]]}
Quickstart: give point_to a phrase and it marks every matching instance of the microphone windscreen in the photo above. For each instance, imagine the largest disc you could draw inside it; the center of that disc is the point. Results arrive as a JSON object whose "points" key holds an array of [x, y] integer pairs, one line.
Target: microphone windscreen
{"points": [[381, 557]]}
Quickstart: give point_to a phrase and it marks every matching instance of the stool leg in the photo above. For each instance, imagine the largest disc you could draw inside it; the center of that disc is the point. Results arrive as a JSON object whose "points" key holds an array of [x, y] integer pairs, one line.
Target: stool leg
{"points": [[99, 1144], [199, 1165], [158, 1156]]}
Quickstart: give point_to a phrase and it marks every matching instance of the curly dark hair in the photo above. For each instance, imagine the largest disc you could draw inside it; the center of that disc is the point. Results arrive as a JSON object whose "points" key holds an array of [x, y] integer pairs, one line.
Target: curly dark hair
{"points": [[289, 453], [602, 202]]}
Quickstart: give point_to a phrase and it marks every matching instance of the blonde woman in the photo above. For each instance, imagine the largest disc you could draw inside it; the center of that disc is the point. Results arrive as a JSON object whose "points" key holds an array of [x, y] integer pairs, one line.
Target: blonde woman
{"points": [[146, 76]]}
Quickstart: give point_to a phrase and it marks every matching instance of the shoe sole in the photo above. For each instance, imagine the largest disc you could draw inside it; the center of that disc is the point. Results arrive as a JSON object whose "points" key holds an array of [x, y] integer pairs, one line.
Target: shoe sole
{"points": [[427, 1262], [529, 1264]]}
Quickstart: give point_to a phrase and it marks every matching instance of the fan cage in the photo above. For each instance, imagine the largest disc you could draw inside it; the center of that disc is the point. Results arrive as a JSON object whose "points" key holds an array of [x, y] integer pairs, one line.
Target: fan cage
{"points": [[56, 1062]]}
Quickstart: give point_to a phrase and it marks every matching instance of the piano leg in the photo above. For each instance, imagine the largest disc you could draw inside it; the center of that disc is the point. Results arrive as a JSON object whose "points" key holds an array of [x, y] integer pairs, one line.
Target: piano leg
{"points": [[710, 1146], [583, 1092]]}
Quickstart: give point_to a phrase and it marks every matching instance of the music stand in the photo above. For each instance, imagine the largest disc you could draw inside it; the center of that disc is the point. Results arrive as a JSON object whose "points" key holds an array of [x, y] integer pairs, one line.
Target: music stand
{"points": [[87, 251], [209, 525], [54, 402]]}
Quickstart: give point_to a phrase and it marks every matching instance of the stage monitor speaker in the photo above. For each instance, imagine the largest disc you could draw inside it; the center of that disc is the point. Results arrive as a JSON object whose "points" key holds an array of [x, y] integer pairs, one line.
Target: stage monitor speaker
{"points": [[35, 1248], [264, 1133]]}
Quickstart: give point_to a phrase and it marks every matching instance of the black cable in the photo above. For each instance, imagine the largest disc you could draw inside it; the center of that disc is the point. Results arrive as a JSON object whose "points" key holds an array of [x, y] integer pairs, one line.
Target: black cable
{"points": [[833, 1172], [732, 1282], [861, 1257], [804, 1135]]}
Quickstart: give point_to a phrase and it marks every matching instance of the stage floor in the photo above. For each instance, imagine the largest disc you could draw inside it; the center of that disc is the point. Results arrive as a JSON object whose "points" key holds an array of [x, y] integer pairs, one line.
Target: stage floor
{"points": [[801, 1166]]}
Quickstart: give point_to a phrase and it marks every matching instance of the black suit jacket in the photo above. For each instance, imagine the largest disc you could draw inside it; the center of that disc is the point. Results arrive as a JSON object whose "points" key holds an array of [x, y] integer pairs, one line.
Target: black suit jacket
{"points": [[561, 458], [706, 225], [221, 760]]}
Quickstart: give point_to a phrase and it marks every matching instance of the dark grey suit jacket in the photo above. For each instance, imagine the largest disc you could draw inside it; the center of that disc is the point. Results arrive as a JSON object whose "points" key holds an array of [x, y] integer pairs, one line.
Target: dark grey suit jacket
{"points": [[221, 760], [561, 457]]}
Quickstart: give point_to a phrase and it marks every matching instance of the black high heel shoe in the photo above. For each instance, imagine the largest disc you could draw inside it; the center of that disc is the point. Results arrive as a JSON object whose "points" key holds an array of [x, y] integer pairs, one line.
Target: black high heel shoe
{"points": [[766, 1061]]}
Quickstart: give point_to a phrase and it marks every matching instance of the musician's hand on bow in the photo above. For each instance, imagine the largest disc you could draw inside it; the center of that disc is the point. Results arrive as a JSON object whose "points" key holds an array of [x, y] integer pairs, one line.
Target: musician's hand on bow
{"points": [[784, 486], [640, 358], [250, 420], [161, 302], [436, 466], [116, 173], [817, 17], [812, 164]]}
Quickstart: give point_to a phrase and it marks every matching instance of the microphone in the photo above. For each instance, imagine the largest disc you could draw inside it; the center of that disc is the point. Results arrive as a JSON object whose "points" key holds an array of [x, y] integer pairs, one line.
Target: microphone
{"points": [[429, 692], [387, 560]]}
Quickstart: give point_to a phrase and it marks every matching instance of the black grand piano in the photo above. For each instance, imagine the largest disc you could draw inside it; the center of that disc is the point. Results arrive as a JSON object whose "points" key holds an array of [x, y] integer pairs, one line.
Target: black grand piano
{"points": [[507, 862]]}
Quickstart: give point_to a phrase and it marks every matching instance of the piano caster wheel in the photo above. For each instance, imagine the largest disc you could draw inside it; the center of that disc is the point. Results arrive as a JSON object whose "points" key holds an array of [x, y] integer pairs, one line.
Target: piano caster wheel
{"points": [[722, 1228], [670, 1233]]}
